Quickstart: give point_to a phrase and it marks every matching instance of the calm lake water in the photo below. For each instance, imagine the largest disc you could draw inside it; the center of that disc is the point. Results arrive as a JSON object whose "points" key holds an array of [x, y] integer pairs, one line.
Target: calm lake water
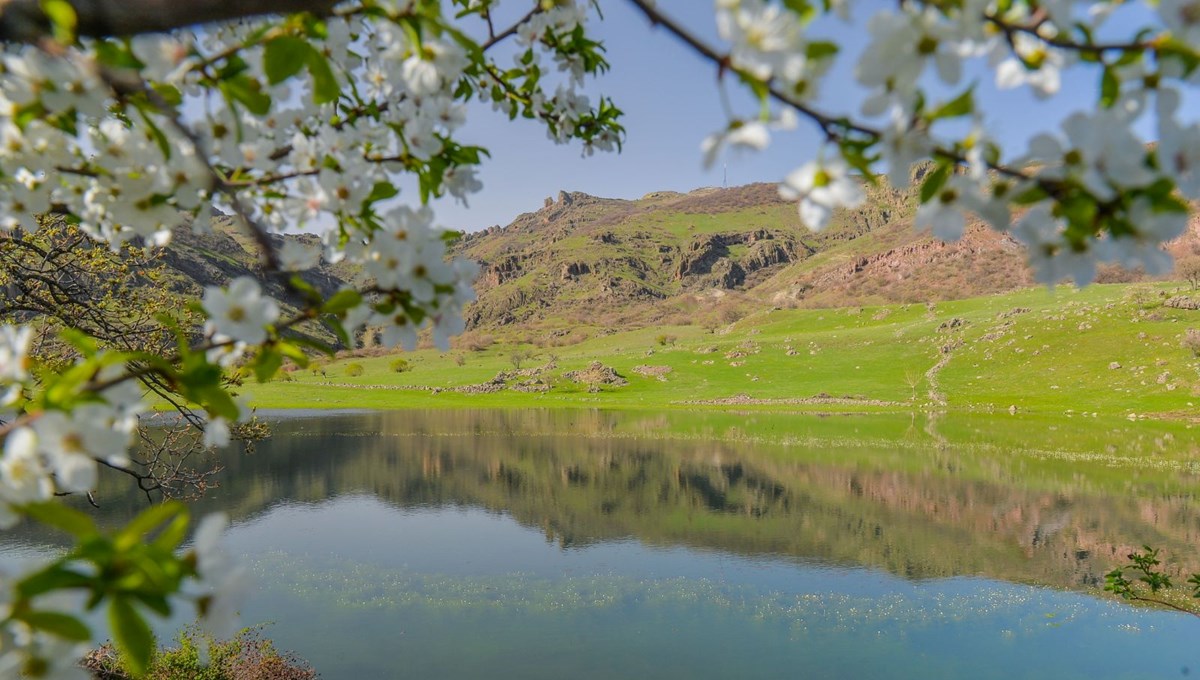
{"points": [[526, 544]]}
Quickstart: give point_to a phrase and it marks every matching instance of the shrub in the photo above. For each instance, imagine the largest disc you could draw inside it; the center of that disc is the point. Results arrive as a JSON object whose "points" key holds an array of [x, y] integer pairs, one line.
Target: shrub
{"points": [[354, 370], [399, 365], [1189, 269], [248, 656], [1191, 341], [460, 359], [474, 341]]}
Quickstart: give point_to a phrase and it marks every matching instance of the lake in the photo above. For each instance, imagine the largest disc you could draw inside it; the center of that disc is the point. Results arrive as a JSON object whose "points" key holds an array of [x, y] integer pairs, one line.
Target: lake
{"points": [[591, 544]]}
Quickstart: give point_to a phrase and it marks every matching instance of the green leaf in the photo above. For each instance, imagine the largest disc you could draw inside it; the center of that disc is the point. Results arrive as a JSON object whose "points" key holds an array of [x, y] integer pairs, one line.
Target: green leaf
{"points": [[242, 88], [147, 521], [156, 603], [1110, 87], [64, 626], [169, 93], [283, 57], [267, 363], [325, 84], [63, 518], [293, 352], [54, 577], [173, 534], [319, 346], [218, 402], [335, 324], [160, 138], [63, 20], [1034, 194], [116, 54], [81, 341], [962, 105], [934, 181], [820, 49], [801, 8], [132, 634], [382, 191], [341, 301]]}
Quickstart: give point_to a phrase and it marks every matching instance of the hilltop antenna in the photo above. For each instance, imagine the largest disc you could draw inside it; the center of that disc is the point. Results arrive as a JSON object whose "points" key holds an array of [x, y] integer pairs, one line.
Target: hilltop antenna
{"points": [[724, 175]]}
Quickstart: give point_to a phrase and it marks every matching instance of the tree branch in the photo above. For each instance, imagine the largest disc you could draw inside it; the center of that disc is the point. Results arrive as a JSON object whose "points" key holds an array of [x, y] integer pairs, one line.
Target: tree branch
{"points": [[835, 128], [26, 21]]}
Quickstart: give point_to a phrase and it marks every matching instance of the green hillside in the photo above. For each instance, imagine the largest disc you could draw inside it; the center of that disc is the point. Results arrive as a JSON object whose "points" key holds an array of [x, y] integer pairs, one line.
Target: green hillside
{"points": [[1108, 349], [713, 255]]}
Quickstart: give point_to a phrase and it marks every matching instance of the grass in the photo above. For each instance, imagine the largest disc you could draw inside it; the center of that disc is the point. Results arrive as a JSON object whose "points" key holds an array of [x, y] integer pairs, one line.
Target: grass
{"points": [[1054, 358]]}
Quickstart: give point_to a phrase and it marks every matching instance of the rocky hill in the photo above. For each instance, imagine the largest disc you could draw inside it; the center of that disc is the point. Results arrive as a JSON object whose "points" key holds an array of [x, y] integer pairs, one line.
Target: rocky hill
{"points": [[196, 260], [712, 254]]}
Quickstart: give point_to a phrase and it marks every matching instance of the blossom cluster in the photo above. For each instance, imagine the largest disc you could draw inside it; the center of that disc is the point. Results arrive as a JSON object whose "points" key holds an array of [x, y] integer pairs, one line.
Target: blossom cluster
{"points": [[1094, 192]]}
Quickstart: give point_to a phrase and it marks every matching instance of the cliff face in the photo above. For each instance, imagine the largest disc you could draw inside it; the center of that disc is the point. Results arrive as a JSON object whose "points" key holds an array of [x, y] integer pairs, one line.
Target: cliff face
{"points": [[667, 256], [581, 255]]}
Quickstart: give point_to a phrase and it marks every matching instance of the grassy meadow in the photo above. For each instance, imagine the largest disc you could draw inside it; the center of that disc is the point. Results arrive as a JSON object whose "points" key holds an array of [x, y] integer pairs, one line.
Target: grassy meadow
{"points": [[1107, 350]]}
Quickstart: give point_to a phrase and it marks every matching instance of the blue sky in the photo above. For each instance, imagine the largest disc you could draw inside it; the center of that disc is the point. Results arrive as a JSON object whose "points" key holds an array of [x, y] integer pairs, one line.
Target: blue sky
{"points": [[672, 100]]}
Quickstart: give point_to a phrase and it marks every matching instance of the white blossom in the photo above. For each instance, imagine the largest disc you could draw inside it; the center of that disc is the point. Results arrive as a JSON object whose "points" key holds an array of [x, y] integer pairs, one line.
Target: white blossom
{"points": [[1038, 65], [216, 433], [1182, 18], [14, 360], [753, 134], [821, 187], [223, 583], [767, 40], [944, 212], [23, 476], [240, 312]]}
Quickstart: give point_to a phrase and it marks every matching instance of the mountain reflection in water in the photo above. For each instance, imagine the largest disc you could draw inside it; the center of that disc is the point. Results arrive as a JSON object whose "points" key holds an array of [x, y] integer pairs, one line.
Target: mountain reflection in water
{"points": [[1051, 503]]}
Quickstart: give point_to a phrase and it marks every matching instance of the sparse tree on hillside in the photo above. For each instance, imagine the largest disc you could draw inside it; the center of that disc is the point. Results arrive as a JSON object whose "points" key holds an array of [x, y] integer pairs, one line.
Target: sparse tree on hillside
{"points": [[1189, 269], [118, 116]]}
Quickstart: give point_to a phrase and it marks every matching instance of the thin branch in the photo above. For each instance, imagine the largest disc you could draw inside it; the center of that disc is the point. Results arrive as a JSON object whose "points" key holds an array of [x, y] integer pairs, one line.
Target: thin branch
{"points": [[496, 38], [1164, 603], [835, 128], [1036, 22], [826, 122]]}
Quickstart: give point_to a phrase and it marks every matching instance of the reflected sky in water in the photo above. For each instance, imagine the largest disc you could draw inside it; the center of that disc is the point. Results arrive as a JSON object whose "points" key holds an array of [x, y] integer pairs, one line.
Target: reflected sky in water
{"points": [[590, 544]]}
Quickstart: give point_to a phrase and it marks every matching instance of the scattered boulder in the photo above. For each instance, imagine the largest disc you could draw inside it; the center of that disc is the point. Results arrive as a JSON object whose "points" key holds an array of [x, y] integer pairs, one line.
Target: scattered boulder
{"points": [[1114, 366], [597, 374], [1182, 302], [951, 324]]}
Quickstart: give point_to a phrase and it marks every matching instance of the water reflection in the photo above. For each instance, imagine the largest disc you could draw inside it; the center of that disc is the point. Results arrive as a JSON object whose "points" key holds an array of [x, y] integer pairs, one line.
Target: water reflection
{"points": [[1054, 503], [525, 544]]}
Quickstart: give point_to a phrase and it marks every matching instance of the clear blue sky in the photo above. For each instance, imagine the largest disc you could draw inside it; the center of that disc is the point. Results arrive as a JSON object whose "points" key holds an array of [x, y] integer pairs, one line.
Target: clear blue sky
{"points": [[672, 101]]}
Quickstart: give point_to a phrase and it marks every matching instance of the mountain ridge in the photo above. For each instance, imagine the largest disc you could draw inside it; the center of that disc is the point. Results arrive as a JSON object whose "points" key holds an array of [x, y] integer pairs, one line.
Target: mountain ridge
{"points": [[716, 253]]}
